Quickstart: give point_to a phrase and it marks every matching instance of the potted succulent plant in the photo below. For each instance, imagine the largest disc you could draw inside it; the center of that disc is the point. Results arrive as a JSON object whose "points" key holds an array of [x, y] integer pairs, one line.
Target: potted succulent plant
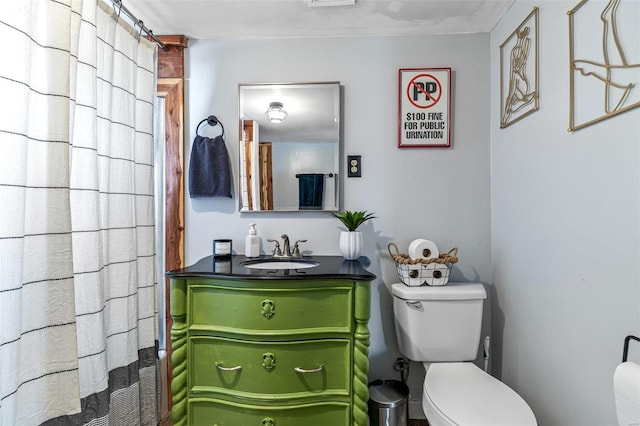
{"points": [[351, 239]]}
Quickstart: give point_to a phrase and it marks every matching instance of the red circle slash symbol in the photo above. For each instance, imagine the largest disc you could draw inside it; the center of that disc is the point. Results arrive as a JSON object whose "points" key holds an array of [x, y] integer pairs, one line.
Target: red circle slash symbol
{"points": [[424, 91]]}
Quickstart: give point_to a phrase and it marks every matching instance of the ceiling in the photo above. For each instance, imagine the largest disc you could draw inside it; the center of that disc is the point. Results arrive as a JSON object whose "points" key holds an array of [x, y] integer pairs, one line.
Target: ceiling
{"points": [[246, 19]]}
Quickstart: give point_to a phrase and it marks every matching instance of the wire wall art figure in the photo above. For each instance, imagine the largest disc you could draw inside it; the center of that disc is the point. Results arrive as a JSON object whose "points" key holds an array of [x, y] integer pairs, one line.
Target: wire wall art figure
{"points": [[519, 92], [604, 60]]}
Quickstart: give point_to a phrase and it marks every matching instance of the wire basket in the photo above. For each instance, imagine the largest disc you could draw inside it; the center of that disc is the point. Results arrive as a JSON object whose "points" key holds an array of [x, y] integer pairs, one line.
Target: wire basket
{"points": [[432, 271]]}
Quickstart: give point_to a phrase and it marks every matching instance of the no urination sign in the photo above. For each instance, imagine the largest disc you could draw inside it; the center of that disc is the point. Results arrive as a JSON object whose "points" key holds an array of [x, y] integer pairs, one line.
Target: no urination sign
{"points": [[424, 107]]}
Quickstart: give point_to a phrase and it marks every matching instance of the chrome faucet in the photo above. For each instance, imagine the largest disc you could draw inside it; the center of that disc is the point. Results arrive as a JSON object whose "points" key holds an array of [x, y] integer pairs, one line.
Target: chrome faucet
{"points": [[276, 249], [296, 249], [286, 247]]}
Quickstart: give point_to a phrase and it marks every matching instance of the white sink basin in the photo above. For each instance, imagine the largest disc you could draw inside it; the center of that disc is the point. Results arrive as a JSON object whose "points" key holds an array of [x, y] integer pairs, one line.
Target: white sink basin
{"points": [[280, 264]]}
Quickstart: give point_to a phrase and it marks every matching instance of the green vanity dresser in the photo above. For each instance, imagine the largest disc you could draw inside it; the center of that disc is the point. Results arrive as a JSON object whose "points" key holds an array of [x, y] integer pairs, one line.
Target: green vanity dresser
{"points": [[270, 347]]}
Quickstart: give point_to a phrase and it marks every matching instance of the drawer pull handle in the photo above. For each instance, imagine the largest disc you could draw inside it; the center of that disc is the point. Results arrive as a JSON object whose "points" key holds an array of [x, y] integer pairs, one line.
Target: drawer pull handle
{"points": [[315, 370], [268, 421], [268, 308], [268, 361], [220, 367]]}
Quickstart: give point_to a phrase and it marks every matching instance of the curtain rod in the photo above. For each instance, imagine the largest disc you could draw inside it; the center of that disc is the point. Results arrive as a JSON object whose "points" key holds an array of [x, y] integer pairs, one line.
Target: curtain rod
{"points": [[122, 8]]}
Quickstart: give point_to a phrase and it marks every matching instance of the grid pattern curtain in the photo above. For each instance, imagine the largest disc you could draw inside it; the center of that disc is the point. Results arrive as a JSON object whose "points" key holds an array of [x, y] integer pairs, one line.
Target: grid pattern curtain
{"points": [[77, 275]]}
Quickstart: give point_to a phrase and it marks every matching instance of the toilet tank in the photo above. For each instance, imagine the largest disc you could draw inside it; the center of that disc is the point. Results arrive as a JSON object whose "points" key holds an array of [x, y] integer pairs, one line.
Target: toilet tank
{"points": [[438, 324]]}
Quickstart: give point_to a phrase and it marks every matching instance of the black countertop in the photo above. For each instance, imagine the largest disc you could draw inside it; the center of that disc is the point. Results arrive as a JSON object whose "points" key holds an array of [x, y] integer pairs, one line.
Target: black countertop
{"points": [[329, 267]]}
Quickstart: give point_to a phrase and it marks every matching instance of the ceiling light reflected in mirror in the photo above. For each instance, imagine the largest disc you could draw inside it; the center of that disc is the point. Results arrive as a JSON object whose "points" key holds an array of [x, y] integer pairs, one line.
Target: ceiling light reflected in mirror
{"points": [[276, 112]]}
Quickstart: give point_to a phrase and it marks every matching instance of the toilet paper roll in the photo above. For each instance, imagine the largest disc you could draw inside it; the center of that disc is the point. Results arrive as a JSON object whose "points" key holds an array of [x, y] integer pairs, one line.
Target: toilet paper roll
{"points": [[423, 248], [626, 387], [412, 275], [436, 274]]}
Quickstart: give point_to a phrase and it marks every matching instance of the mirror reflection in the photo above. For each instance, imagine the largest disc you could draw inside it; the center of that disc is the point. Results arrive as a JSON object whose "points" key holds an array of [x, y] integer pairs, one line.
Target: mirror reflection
{"points": [[289, 147]]}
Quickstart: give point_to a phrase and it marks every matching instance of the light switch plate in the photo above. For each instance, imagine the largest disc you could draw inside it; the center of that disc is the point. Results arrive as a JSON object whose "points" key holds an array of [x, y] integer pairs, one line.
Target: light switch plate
{"points": [[354, 166]]}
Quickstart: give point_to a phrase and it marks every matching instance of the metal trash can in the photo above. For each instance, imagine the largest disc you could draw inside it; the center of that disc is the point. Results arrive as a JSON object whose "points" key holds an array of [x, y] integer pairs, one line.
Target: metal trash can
{"points": [[388, 403]]}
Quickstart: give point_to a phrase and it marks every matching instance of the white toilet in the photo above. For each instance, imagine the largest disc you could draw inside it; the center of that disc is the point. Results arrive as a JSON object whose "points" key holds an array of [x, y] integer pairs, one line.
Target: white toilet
{"points": [[440, 327]]}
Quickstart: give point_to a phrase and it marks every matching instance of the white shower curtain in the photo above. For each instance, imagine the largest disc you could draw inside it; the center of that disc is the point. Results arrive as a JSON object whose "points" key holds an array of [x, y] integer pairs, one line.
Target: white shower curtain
{"points": [[77, 276]]}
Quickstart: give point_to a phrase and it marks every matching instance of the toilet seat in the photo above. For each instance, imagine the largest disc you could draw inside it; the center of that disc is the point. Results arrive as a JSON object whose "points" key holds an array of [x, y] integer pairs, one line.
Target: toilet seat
{"points": [[461, 394]]}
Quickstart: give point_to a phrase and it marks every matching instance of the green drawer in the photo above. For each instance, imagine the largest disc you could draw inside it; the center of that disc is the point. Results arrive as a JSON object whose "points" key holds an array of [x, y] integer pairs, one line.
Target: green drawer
{"points": [[204, 412], [270, 311], [270, 370]]}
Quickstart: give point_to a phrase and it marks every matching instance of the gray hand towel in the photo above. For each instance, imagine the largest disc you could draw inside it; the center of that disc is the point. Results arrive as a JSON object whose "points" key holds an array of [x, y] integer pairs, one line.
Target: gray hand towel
{"points": [[310, 191], [209, 168]]}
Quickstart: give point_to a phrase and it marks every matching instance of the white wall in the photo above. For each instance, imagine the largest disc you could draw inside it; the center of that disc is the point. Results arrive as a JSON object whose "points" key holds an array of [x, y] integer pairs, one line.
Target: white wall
{"points": [[441, 194], [564, 239]]}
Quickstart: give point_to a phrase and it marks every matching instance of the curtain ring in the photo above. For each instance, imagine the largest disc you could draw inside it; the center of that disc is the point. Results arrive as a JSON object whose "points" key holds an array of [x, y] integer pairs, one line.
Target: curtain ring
{"points": [[119, 3], [141, 27]]}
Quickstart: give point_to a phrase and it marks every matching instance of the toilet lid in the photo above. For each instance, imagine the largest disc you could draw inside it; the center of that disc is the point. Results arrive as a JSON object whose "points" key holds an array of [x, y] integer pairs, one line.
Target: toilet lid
{"points": [[466, 395], [451, 291]]}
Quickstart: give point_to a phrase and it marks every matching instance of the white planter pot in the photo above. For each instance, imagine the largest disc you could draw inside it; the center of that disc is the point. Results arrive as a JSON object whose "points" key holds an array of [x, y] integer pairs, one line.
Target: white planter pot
{"points": [[350, 244]]}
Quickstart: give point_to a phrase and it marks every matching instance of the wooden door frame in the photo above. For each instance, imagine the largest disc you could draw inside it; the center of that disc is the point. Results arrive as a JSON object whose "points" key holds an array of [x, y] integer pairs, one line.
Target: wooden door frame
{"points": [[170, 86]]}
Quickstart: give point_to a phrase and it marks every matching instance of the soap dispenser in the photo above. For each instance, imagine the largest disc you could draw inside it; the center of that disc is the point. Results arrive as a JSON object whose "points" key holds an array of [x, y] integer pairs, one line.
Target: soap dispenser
{"points": [[252, 242]]}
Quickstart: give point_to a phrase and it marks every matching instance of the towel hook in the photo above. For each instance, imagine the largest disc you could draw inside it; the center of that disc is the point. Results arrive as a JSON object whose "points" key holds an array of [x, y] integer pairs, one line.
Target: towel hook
{"points": [[212, 120]]}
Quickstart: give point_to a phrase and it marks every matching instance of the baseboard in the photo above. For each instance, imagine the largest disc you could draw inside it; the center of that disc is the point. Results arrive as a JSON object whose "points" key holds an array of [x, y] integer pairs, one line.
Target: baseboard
{"points": [[415, 409], [164, 397]]}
